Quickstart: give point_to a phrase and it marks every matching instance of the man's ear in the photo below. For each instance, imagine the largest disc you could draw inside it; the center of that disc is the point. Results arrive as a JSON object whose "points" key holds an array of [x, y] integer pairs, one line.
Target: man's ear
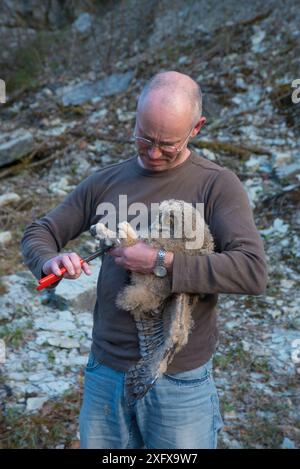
{"points": [[198, 126]]}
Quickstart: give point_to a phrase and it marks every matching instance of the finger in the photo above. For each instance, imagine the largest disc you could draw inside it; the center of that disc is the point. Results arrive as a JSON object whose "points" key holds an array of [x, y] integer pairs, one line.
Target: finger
{"points": [[75, 259], [66, 261], [116, 252], [55, 268], [86, 268], [119, 260]]}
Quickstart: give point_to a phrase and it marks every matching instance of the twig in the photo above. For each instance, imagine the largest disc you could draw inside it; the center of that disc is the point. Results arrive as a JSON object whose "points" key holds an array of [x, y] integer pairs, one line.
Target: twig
{"points": [[228, 147]]}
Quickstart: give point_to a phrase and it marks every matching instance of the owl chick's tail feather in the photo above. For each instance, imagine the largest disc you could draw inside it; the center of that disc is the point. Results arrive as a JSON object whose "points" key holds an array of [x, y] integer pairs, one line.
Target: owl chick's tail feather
{"points": [[161, 336]]}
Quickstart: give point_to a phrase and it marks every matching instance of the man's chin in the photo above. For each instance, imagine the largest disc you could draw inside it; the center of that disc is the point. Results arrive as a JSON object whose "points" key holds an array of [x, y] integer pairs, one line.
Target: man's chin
{"points": [[153, 165]]}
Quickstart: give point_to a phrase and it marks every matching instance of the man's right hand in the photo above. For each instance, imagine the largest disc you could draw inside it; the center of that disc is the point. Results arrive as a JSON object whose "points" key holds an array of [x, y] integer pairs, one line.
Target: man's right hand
{"points": [[71, 261]]}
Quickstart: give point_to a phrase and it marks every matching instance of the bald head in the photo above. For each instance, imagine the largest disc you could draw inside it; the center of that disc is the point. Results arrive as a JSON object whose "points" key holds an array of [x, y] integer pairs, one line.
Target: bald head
{"points": [[175, 92]]}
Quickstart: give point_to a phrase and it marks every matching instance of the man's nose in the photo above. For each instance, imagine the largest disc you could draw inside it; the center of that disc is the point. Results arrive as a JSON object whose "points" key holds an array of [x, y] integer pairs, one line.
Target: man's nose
{"points": [[154, 152]]}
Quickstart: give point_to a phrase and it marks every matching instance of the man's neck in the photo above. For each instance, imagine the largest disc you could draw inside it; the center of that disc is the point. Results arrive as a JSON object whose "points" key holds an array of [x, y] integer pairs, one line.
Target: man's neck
{"points": [[182, 160]]}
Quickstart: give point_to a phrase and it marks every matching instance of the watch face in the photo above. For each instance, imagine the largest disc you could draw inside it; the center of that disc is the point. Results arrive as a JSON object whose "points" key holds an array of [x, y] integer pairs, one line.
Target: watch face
{"points": [[160, 271]]}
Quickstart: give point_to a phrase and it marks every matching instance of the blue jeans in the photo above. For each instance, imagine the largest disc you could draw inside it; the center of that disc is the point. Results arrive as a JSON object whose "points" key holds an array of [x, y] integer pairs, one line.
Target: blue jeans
{"points": [[180, 411]]}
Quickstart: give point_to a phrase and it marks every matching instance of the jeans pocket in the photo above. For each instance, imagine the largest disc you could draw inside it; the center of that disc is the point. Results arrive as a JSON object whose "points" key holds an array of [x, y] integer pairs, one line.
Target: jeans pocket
{"points": [[191, 378], [92, 362]]}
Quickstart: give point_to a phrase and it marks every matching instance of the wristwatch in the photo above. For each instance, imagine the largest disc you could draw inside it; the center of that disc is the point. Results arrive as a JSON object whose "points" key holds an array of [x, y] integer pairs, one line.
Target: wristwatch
{"points": [[159, 268]]}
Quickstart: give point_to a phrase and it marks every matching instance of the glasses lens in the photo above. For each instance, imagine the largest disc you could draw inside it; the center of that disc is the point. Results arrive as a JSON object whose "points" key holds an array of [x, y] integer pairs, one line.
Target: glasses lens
{"points": [[144, 143], [168, 149]]}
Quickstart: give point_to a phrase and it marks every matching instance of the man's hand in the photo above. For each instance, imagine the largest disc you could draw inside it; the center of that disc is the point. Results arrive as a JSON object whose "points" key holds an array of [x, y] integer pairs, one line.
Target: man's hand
{"points": [[71, 261], [139, 258]]}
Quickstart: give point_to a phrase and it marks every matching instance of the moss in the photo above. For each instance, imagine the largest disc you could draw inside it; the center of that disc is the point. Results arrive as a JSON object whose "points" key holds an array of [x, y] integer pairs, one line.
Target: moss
{"points": [[234, 356], [51, 357], [260, 366], [261, 432], [55, 424], [28, 63], [11, 336], [34, 58], [3, 288]]}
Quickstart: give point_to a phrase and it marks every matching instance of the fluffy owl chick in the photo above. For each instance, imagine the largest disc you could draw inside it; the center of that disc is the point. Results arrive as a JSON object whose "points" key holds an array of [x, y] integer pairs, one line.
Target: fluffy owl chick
{"points": [[177, 227]]}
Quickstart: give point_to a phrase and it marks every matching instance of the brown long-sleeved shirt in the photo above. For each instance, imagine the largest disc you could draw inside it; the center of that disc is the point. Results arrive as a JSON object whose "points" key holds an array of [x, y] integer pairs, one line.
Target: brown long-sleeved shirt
{"points": [[237, 266]]}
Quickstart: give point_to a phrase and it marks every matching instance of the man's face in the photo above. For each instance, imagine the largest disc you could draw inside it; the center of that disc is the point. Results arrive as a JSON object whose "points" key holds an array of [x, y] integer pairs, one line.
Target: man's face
{"points": [[159, 156], [164, 129]]}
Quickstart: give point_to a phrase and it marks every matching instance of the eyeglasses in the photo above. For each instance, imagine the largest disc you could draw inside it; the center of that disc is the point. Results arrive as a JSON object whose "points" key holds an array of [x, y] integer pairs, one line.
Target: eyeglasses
{"points": [[146, 144]]}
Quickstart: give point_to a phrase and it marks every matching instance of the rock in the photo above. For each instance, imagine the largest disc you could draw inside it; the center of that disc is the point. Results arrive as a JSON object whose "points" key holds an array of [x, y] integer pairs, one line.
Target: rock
{"points": [[18, 376], [84, 319], [106, 159], [61, 446], [83, 25], [232, 324], [289, 171], [282, 351], [287, 444], [15, 145], [258, 163], [234, 444], [80, 293], [9, 198], [97, 146], [35, 403], [246, 345], [42, 337], [258, 41], [279, 227], [240, 83], [97, 116], [54, 325], [79, 360], [266, 415], [34, 14], [124, 116], [287, 284], [55, 388], [281, 158], [58, 130], [5, 237], [253, 163], [253, 188], [208, 154], [64, 342], [230, 415], [49, 297], [86, 90], [41, 377], [184, 59], [61, 187], [275, 313], [256, 376], [84, 349]]}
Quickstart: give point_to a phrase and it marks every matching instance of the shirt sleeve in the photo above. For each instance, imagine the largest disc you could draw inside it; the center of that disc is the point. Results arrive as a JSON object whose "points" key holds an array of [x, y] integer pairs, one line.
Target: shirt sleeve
{"points": [[44, 238], [238, 264]]}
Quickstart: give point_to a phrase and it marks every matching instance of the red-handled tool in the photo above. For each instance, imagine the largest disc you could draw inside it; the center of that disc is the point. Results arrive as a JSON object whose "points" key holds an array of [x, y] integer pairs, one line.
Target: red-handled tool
{"points": [[52, 278]]}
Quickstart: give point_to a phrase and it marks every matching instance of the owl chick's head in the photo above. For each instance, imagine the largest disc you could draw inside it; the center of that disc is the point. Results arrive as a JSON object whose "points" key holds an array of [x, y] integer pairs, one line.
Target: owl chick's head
{"points": [[177, 219]]}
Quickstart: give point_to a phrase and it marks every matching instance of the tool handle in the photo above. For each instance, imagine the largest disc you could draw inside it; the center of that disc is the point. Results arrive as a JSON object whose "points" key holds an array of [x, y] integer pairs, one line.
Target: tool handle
{"points": [[52, 278]]}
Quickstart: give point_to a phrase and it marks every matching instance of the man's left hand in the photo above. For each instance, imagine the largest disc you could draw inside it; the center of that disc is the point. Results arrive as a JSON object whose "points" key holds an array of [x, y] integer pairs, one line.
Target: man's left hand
{"points": [[139, 258]]}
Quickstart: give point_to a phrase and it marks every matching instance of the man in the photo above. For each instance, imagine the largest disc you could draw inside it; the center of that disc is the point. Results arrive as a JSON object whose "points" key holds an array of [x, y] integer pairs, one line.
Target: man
{"points": [[182, 408]]}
